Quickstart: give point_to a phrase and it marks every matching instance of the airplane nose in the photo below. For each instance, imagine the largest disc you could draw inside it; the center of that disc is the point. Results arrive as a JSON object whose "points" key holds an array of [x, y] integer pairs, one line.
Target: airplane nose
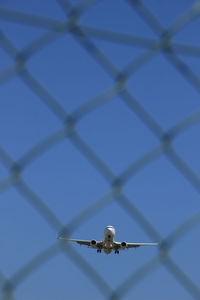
{"points": [[109, 231]]}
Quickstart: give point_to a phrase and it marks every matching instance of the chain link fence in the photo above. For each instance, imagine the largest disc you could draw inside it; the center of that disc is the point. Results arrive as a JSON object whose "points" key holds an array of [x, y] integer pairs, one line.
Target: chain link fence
{"points": [[83, 36]]}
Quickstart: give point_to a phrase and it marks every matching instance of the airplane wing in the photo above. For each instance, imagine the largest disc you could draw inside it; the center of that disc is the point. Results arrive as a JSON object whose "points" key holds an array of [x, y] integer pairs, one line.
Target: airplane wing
{"points": [[124, 245], [83, 242], [134, 245]]}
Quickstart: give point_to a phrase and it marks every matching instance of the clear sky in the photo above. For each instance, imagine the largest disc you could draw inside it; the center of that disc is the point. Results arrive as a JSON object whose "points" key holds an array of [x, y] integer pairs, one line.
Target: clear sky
{"points": [[66, 178]]}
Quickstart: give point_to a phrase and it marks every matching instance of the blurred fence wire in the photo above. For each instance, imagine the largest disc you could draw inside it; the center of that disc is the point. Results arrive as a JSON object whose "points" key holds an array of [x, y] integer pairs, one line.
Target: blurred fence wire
{"points": [[83, 36]]}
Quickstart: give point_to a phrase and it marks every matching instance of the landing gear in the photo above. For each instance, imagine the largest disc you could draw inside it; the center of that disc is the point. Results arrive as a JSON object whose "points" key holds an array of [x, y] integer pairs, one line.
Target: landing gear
{"points": [[116, 251], [98, 250]]}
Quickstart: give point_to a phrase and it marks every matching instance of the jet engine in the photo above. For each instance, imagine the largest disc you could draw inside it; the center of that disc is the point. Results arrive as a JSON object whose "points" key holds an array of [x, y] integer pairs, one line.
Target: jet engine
{"points": [[123, 244], [93, 243]]}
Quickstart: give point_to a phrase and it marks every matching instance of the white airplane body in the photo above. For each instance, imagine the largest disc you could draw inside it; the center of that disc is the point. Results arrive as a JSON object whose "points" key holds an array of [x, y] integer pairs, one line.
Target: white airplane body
{"points": [[108, 244]]}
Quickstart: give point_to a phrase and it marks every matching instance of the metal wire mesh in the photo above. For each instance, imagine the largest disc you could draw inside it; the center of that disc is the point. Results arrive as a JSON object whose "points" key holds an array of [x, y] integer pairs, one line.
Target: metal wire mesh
{"points": [[82, 35]]}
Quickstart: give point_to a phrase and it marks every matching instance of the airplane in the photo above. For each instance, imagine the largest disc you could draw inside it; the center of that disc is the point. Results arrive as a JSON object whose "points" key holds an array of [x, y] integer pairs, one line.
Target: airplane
{"points": [[108, 244]]}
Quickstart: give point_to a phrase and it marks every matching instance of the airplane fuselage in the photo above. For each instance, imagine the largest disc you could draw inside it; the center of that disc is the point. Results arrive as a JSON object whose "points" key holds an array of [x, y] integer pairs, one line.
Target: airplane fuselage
{"points": [[109, 234]]}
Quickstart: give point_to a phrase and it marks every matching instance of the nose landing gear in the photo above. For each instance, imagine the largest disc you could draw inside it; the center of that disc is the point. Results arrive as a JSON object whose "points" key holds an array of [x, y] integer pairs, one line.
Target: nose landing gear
{"points": [[98, 250], [116, 251]]}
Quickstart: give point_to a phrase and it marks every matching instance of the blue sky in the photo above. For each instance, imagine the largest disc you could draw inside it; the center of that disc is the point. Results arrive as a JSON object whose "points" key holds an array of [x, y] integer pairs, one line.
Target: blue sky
{"points": [[63, 177]]}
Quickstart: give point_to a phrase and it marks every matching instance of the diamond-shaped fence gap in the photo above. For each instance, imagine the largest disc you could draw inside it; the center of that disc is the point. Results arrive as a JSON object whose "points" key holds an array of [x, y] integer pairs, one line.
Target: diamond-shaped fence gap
{"points": [[64, 178], [77, 87], [110, 16], [35, 8], [167, 201], [188, 148], [114, 127], [167, 90], [18, 245], [179, 252], [25, 122]]}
